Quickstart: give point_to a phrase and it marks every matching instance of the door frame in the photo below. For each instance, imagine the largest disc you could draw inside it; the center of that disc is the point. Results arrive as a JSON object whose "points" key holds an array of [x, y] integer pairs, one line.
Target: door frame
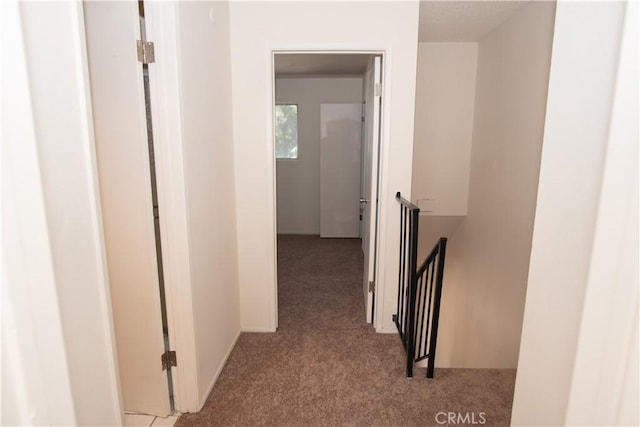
{"points": [[384, 51]]}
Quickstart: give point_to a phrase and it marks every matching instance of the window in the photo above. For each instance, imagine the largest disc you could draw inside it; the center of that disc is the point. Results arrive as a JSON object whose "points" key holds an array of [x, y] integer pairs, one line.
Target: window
{"points": [[286, 131]]}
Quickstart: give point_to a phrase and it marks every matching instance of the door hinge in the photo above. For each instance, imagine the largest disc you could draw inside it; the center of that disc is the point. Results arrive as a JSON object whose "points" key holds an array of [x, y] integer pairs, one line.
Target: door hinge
{"points": [[146, 52], [169, 359], [372, 286], [378, 89]]}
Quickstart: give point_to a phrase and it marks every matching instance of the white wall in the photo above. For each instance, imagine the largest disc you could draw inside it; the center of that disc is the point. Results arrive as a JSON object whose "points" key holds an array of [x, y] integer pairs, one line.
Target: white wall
{"points": [[445, 92], [207, 136], [257, 27], [71, 320], [581, 86], [488, 255], [298, 181], [608, 394]]}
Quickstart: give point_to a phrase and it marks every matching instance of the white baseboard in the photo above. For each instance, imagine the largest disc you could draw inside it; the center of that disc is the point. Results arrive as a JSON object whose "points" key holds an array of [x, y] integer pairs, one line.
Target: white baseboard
{"points": [[259, 330], [387, 331]]}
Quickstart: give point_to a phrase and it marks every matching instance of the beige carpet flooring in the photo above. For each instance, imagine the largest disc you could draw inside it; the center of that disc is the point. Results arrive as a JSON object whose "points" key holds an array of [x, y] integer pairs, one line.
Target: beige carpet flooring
{"points": [[326, 367]]}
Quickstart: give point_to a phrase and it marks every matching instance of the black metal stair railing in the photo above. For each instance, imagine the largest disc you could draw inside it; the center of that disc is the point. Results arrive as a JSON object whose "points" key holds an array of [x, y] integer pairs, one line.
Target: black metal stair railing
{"points": [[419, 291], [405, 308]]}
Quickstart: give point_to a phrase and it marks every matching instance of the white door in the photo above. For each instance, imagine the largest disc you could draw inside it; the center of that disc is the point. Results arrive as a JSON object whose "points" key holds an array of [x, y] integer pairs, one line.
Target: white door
{"points": [[117, 92], [369, 196], [340, 144]]}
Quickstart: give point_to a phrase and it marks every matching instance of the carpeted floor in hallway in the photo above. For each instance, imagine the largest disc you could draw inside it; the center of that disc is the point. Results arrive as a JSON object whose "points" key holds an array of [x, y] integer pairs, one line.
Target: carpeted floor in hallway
{"points": [[326, 367]]}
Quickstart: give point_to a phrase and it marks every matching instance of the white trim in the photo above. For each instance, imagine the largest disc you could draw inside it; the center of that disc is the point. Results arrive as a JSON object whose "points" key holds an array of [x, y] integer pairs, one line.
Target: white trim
{"points": [[272, 197], [383, 50], [206, 394], [96, 211], [161, 21], [383, 192], [376, 71]]}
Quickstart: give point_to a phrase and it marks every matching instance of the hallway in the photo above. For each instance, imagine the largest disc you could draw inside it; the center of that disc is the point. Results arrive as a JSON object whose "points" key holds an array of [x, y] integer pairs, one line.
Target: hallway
{"points": [[326, 366]]}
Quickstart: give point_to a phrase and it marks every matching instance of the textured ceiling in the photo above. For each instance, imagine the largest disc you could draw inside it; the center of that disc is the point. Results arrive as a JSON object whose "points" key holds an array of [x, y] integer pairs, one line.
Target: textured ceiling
{"points": [[462, 21], [320, 64]]}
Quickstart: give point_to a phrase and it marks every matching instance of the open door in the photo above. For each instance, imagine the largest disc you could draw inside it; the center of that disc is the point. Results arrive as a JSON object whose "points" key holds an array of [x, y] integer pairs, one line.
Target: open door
{"points": [[340, 145], [369, 188], [120, 125]]}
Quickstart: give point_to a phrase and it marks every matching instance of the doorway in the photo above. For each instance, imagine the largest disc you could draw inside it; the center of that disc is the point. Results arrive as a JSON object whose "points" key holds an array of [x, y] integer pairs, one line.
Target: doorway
{"points": [[326, 115]]}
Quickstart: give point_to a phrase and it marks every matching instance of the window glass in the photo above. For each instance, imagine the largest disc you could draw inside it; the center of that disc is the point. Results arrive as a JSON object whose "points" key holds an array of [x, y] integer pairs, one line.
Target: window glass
{"points": [[286, 131]]}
